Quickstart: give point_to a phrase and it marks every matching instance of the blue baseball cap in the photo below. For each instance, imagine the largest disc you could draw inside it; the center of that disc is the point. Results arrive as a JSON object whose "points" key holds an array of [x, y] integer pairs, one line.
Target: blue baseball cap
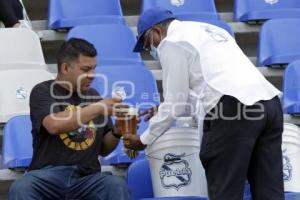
{"points": [[147, 20]]}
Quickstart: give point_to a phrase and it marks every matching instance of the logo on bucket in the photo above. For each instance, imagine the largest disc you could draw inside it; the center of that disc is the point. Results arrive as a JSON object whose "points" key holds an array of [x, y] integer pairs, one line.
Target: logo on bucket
{"points": [[175, 172], [287, 168]]}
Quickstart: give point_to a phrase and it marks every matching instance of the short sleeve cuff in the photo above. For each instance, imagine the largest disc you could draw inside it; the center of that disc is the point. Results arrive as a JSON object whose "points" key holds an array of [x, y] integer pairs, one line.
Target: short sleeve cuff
{"points": [[146, 138]]}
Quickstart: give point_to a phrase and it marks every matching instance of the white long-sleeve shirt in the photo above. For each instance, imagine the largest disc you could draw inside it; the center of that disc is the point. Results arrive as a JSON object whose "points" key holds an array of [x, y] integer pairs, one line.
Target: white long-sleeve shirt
{"points": [[200, 64]]}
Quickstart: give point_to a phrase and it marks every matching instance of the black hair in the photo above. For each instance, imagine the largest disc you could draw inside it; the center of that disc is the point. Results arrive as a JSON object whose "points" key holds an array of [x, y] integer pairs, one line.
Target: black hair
{"points": [[71, 50]]}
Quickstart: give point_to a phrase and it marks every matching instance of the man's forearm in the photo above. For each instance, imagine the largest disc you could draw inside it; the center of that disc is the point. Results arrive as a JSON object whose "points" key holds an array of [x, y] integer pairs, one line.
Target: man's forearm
{"points": [[66, 121]]}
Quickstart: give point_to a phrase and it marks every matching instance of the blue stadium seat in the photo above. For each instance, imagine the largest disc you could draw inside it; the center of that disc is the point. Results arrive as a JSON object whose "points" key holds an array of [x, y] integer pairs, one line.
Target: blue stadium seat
{"points": [[292, 196], [288, 196], [114, 43], [279, 42], [193, 10], [141, 90], [221, 24], [139, 180], [260, 10], [69, 13], [291, 89], [17, 142]]}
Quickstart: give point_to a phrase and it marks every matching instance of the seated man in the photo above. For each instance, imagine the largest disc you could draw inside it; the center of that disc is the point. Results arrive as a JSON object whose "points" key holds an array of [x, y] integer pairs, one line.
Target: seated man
{"points": [[71, 128]]}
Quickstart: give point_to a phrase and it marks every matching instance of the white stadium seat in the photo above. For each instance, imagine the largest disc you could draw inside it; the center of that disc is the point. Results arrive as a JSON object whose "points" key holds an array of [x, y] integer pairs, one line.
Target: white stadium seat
{"points": [[20, 45], [15, 87]]}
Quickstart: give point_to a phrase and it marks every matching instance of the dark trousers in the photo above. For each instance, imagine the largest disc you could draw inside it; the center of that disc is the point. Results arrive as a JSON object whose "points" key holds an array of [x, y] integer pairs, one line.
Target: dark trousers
{"points": [[68, 182], [10, 12], [241, 142]]}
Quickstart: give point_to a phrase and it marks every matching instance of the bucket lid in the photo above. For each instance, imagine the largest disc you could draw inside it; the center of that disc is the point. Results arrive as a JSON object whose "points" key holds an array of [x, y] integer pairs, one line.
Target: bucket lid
{"points": [[176, 137]]}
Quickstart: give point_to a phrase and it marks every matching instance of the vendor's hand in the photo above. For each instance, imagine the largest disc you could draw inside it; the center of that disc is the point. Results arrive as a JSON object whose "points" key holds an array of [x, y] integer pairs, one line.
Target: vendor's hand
{"points": [[149, 113], [131, 153], [133, 142]]}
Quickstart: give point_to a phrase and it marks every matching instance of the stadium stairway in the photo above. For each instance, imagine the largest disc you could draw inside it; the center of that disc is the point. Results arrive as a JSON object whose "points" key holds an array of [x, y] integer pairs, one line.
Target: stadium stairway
{"points": [[246, 36]]}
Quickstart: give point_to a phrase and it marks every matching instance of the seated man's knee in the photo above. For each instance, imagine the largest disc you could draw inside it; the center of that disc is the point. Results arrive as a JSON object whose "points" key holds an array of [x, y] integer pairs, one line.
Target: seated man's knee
{"points": [[116, 181], [20, 189], [117, 186]]}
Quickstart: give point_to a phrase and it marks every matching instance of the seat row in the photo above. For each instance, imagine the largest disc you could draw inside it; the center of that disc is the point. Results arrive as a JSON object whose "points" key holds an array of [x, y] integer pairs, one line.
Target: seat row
{"points": [[279, 43], [65, 14]]}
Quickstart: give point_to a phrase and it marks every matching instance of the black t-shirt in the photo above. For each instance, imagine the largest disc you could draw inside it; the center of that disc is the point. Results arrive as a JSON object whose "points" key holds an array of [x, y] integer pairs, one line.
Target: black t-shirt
{"points": [[80, 147]]}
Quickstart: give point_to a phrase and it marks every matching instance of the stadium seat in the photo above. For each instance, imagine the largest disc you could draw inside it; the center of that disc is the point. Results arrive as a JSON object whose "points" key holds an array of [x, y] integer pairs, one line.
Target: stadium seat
{"points": [[194, 10], [64, 14], [139, 180], [279, 42], [17, 143], [261, 10], [114, 43], [291, 89], [141, 90], [220, 24], [292, 196], [287, 196], [15, 87], [20, 46]]}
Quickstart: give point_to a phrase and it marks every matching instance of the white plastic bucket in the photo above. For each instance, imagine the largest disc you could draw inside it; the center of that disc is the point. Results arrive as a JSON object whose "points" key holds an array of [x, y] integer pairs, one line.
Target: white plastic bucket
{"points": [[175, 166], [291, 157]]}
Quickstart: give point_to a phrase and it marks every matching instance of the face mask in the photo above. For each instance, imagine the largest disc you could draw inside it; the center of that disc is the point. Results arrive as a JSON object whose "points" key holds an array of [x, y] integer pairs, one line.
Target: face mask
{"points": [[153, 52]]}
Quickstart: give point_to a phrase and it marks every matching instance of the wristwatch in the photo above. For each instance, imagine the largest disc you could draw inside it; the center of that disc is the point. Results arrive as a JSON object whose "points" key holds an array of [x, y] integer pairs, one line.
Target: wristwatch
{"points": [[116, 133]]}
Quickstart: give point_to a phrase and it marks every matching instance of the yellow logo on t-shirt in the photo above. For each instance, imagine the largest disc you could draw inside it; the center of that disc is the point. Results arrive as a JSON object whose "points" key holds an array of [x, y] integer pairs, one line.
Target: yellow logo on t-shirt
{"points": [[81, 138]]}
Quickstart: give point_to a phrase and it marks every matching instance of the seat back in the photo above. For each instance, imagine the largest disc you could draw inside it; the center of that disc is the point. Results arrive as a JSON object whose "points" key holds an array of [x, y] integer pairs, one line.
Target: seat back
{"points": [[291, 88], [114, 43], [68, 13], [17, 142], [15, 87], [279, 42], [20, 45], [139, 180], [249, 10], [220, 24], [193, 10]]}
